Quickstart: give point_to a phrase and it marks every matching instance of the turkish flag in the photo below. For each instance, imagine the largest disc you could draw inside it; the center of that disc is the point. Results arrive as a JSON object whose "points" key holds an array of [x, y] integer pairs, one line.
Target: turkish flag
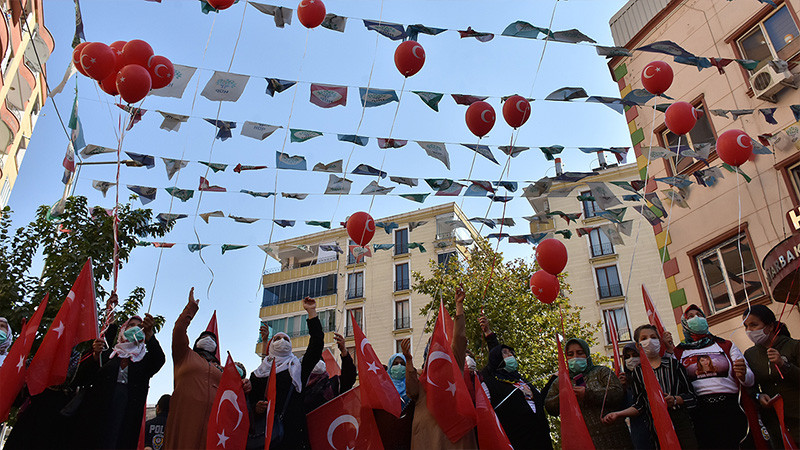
{"points": [[75, 322], [490, 433], [612, 330], [229, 420], [271, 395], [212, 327], [658, 407], [379, 391], [343, 423], [574, 434], [331, 366], [777, 403], [13, 371], [448, 399], [653, 317]]}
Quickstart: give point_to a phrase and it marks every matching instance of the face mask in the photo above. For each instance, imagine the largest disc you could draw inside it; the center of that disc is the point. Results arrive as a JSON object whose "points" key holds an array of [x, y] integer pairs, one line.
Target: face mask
{"points": [[241, 372], [632, 362], [280, 347], [3, 336], [651, 346], [470, 363], [320, 368], [134, 334], [397, 372], [511, 364], [697, 325], [207, 343], [577, 365], [758, 336]]}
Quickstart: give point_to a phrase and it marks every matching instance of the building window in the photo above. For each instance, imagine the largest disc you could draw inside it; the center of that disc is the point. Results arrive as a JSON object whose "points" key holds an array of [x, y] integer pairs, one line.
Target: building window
{"points": [[298, 290], [726, 277], [398, 348], [445, 258], [355, 285], [619, 317], [401, 277], [359, 315], [608, 282], [600, 244], [590, 207], [794, 176], [401, 241], [402, 314], [774, 37], [702, 133], [5, 193], [296, 326]]}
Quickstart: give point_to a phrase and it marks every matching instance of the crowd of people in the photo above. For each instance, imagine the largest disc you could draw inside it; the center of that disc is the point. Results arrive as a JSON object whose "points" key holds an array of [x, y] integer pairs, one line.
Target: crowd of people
{"points": [[706, 383]]}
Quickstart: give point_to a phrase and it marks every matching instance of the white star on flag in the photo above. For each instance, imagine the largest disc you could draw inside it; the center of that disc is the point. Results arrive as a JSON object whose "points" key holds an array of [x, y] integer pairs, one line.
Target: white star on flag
{"points": [[451, 388], [59, 329], [222, 439], [21, 363], [372, 367]]}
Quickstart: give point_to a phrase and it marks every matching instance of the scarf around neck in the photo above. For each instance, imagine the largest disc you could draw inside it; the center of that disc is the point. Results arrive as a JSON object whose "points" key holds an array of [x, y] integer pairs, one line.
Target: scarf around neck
{"points": [[126, 349], [283, 361]]}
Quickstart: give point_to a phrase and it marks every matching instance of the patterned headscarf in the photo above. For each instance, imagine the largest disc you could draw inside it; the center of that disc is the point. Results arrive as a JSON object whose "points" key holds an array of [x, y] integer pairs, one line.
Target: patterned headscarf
{"points": [[693, 340], [4, 345], [126, 349]]}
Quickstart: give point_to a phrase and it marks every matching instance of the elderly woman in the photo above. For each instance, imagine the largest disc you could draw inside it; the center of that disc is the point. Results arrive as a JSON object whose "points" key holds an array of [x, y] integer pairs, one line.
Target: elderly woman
{"points": [[598, 391], [5, 339]]}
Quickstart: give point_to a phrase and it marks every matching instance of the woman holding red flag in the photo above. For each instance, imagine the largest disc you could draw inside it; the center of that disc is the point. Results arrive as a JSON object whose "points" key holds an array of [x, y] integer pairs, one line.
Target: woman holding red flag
{"points": [[775, 361]]}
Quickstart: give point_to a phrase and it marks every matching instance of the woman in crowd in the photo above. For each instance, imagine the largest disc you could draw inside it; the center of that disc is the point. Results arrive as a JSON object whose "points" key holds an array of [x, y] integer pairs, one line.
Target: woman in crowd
{"points": [[196, 377], [640, 430], [110, 415], [289, 429], [716, 369], [598, 390], [321, 388], [675, 387], [775, 361], [396, 432], [5, 339]]}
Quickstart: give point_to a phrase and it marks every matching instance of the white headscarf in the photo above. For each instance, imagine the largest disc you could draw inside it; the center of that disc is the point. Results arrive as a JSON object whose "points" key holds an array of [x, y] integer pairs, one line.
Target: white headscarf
{"points": [[125, 349], [284, 360], [7, 343]]}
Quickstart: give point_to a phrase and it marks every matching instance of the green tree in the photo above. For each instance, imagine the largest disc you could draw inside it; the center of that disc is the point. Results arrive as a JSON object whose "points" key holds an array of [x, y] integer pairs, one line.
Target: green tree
{"points": [[63, 244]]}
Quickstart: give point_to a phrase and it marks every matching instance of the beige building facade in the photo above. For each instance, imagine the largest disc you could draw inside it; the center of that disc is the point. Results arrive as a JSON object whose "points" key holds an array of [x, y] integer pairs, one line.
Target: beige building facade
{"points": [[376, 289], [730, 244]]}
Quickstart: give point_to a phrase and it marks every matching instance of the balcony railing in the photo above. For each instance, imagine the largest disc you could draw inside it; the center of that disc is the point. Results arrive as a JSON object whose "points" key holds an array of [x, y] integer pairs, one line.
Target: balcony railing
{"points": [[611, 290], [401, 285], [402, 323], [605, 248]]}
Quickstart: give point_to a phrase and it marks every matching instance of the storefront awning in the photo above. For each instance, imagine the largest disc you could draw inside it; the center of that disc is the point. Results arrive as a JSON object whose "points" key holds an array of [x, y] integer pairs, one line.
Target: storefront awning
{"points": [[781, 267]]}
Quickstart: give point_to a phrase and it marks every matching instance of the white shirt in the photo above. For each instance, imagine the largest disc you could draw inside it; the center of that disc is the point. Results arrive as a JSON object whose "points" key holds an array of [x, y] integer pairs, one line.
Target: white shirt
{"points": [[711, 371]]}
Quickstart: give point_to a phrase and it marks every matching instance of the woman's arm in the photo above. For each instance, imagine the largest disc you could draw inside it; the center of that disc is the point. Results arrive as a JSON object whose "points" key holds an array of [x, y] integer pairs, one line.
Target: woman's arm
{"points": [[412, 378], [180, 340], [315, 341], [551, 400], [460, 331]]}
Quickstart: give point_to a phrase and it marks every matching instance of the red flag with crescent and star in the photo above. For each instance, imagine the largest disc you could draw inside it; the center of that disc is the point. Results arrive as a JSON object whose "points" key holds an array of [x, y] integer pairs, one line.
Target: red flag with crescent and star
{"points": [[662, 422], [212, 327], [448, 399], [378, 390], [491, 435], [229, 420], [331, 366], [75, 322], [343, 424], [574, 434], [271, 395], [13, 371]]}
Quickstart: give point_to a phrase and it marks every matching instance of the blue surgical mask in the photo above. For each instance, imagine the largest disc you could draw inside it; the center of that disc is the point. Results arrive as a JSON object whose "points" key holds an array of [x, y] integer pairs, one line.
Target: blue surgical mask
{"points": [[3, 336], [511, 364], [134, 334], [697, 325], [577, 365], [397, 372]]}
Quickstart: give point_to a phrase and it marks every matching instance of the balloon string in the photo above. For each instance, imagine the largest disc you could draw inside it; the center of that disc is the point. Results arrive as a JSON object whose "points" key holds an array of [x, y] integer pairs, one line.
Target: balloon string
{"points": [[391, 130]]}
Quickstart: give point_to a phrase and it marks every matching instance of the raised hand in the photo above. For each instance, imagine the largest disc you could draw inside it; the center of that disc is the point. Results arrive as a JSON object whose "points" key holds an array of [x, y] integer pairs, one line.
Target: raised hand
{"points": [[97, 348], [460, 294], [405, 347], [484, 323], [264, 333], [191, 297], [340, 343], [148, 326], [310, 305], [669, 344]]}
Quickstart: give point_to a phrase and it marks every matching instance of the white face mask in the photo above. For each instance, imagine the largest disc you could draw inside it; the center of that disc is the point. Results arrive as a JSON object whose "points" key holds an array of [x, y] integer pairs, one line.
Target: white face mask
{"points": [[650, 346], [207, 343], [758, 336], [470, 363], [280, 347], [320, 368], [632, 362]]}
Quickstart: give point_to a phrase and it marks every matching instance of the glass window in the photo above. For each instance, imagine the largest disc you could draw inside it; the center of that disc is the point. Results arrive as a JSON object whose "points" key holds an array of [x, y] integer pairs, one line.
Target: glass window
{"points": [[600, 244], [358, 313], [355, 285], [726, 276], [794, 175], [401, 277], [781, 41], [401, 241], [402, 314], [619, 318], [608, 282], [590, 207]]}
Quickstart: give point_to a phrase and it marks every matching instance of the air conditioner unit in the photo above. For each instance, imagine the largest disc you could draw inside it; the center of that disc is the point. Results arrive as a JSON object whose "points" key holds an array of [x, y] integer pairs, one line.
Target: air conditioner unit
{"points": [[767, 82]]}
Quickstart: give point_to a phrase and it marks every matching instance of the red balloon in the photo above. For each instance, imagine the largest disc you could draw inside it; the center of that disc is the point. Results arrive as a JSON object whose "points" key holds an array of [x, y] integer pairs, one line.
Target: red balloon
{"points": [[136, 52], [220, 4], [480, 118], [133, 83], [76, 57], [516, 111], [409, 58], [657, 77], [98, 60], [361, 228], [109, 84], [734, 147], [117, 47], [681, 117], [311, 13], [545, 286], [552, 256], [161, 71]]}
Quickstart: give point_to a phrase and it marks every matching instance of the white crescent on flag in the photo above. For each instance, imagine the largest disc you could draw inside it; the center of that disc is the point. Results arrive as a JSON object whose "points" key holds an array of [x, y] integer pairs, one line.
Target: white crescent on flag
{"points": [[343, 419], [230, 396]]}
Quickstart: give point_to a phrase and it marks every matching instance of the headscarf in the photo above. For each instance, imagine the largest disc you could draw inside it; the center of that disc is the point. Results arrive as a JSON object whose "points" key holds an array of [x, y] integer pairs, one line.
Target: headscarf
{"points": [[693, 340], [400, 385], [496, 363], [6, 343], [283, 361], [589, 364], [632, 348], [126, 349], [766, 315], [209, 356]]}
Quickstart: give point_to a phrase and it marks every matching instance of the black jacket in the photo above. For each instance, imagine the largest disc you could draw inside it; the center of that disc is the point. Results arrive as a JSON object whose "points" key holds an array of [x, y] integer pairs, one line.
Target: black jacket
{"points": [[314, 396]]}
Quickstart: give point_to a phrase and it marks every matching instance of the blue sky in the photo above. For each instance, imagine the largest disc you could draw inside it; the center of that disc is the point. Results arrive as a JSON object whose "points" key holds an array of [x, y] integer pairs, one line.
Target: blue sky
{"points": [[178, 30]]}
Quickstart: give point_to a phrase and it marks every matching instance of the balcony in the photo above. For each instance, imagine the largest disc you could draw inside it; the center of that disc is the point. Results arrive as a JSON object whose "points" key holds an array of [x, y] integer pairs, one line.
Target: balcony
{"points": [[605, 248], [402, 285], [611, 290], [279, 274], [402, 323]]}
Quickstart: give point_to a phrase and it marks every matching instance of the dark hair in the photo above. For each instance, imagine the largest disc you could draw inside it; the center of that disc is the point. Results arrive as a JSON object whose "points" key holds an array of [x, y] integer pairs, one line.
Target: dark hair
{"points": [[163, 403], [644, 327], [766, 315]]}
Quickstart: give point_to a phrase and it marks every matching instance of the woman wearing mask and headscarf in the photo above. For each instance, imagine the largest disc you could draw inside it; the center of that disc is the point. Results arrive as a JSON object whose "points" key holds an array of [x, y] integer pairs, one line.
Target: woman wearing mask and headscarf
{"points": [[598, 390], [110, 415], [719, 422], [640, 429], [396, 432], [196, 377], [518, 405], [321, 388], [5, 339], [289, 430], [775, 361], [675, 387]]}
